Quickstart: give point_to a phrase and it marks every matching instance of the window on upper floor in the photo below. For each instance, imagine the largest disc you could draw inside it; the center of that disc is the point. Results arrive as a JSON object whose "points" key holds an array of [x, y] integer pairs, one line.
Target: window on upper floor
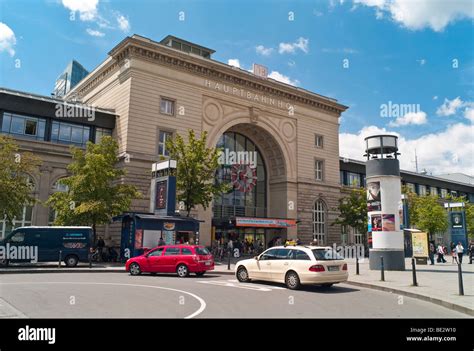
{"points": [[100, 133], [318, 141], [319, 169], [163, 137], [24, 126], [68, 133], [354, 180], [167, 106], [422, 190]]}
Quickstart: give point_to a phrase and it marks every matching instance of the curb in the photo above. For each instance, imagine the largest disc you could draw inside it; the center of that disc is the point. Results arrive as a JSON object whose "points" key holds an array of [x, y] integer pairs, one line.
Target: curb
{"points": [[63, 270], [450, 305]]}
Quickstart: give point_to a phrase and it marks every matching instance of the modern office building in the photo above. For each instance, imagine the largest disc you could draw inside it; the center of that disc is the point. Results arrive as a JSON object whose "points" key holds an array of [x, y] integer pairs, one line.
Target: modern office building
{"points": [[72, 75], [34, 122], [352, 174]]}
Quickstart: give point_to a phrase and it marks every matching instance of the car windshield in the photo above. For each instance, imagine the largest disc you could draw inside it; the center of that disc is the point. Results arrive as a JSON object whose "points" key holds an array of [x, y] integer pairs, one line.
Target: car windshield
{"points": [[202, 251], [326, 254]]}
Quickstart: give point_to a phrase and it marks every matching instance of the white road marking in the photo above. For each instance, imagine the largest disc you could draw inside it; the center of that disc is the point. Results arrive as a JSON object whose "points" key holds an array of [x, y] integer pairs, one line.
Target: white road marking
{"points": [[192, 315], [231, 284]]}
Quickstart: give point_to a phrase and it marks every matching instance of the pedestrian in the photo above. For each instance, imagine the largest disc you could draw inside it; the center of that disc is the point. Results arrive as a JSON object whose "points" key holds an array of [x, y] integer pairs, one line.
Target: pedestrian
{"points": [[161, 242], [459, 251], [100, 246], [432, 252], [441, 254], [454, 255], [471, 251]]}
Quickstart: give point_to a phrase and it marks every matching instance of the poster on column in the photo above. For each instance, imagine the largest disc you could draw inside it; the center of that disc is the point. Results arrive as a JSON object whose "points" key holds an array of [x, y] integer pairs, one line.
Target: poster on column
{"points": [[373, 197], [376, 222], [388, 222]]}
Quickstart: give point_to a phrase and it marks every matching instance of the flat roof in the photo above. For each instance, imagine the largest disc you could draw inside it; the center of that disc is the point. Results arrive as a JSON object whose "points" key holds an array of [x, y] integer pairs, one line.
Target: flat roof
{"points": [[168, 37], [350, 160], [51, 99]]}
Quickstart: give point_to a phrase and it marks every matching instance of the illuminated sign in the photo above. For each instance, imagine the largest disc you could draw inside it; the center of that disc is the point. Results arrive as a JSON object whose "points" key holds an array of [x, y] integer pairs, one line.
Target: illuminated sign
{"points": [[264, 222]]}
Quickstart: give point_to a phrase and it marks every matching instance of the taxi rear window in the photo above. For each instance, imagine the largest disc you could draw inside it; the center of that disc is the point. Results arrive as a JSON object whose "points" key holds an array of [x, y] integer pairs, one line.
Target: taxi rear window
{"points": [[326, 255]]}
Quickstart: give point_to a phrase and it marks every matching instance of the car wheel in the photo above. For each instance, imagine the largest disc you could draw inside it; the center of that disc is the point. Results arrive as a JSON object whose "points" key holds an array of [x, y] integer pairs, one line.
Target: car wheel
{"points": [[134, 269], [292, 280], [71, 261], [200, 274], [327, 285], [182, 271], [242, 275], [4, 262]]}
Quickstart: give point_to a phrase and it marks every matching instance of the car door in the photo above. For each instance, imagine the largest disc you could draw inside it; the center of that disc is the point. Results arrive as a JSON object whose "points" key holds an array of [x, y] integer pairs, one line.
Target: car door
{"points": [[281, 264], [170, 258], [155, 260], [264, 265]]}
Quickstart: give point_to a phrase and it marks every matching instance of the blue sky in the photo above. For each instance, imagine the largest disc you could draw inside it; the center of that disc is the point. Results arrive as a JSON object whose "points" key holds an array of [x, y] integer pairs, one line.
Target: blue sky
{"points": [[365, 53]]}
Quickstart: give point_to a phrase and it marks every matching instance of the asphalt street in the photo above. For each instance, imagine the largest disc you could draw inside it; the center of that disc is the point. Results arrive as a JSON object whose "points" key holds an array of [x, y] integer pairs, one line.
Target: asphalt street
{"points": [[114, 295]]}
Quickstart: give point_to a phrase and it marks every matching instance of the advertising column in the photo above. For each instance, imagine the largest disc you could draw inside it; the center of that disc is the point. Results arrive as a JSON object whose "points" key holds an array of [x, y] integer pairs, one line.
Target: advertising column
{"points": [[383, 202]]}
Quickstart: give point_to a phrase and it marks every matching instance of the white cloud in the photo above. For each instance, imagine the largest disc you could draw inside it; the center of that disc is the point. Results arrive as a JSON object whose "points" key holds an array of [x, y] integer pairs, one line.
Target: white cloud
{"points": [[87, 8], [420, 14], [469, 114], [7, 39], [94, 33], [449, 107], [415, 118], [123, 23], [234, 62], [435, 97], [282, 78], [422, 62], [448, 151], [262, 50], [301, 44]]}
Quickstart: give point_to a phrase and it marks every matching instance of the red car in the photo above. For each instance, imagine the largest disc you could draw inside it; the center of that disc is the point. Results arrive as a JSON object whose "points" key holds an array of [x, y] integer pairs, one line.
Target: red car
{"points": [[180, 259]]}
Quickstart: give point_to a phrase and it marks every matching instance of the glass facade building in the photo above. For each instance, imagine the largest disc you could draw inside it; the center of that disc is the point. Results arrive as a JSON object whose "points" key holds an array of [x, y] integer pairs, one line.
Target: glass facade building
{"points": [[72, 75]]}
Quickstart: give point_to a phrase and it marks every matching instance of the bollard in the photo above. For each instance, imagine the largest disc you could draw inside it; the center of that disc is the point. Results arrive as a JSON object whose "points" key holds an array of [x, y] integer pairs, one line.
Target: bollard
{"points": [[90, 258], [228, 260], [413, 268], [382, 272], [60, 256], [461, 286], [357, 265]]}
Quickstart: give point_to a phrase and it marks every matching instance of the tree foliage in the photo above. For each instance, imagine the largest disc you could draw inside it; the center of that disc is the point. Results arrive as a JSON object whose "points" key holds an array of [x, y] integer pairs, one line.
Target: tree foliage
{"points": [[196, 170], [15, 189], [95, 192], [353, 210]]}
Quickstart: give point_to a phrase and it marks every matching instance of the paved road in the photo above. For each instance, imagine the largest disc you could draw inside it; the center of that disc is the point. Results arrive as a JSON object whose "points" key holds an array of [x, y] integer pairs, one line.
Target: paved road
{"points": [[104, 295]]}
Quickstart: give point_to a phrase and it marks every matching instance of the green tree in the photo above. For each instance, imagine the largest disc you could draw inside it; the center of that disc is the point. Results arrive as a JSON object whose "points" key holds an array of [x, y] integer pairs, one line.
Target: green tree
{"points": [[470, 220], [196, 170], [353, 210], [95, 190], [427, 214], [15, 190]]}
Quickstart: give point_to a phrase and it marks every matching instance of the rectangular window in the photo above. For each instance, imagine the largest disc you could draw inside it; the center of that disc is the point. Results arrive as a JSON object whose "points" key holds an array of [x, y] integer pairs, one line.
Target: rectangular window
{"points": [[422, 190], [444, 193], [100, 133], [164, 136], [167, 106], [68, 133], [433, 191], [354, 180], [319, 169], [27, 126], [318, 141]]}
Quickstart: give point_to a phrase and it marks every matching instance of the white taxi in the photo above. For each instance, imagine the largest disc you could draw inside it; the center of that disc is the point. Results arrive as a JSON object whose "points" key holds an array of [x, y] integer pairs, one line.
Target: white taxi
{"points": [[294, 266]]}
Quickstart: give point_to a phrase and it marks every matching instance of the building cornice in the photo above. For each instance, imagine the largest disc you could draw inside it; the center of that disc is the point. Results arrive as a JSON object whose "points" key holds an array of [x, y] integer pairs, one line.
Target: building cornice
{"points": [[133, 47]]}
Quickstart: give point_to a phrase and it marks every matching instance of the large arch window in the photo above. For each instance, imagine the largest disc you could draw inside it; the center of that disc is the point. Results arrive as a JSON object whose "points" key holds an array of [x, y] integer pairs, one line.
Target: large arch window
{"points": [[248, 196], [319, 222]]}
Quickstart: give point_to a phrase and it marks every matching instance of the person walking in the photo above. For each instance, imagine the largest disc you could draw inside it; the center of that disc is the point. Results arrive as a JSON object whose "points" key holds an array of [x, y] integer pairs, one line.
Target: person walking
{"points": [[100, 247], [454, 255], [471, 251], [161, 242], [432, 252], [459, 251], [441, 254]]}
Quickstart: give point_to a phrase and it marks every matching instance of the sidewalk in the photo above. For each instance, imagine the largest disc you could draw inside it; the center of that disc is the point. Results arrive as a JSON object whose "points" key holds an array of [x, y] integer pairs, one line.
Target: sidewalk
{"points": [[437, 284]]}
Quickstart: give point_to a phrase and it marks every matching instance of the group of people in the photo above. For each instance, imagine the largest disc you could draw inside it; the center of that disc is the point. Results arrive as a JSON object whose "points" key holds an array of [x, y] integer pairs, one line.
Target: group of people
{"points": [[456, 251]]}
